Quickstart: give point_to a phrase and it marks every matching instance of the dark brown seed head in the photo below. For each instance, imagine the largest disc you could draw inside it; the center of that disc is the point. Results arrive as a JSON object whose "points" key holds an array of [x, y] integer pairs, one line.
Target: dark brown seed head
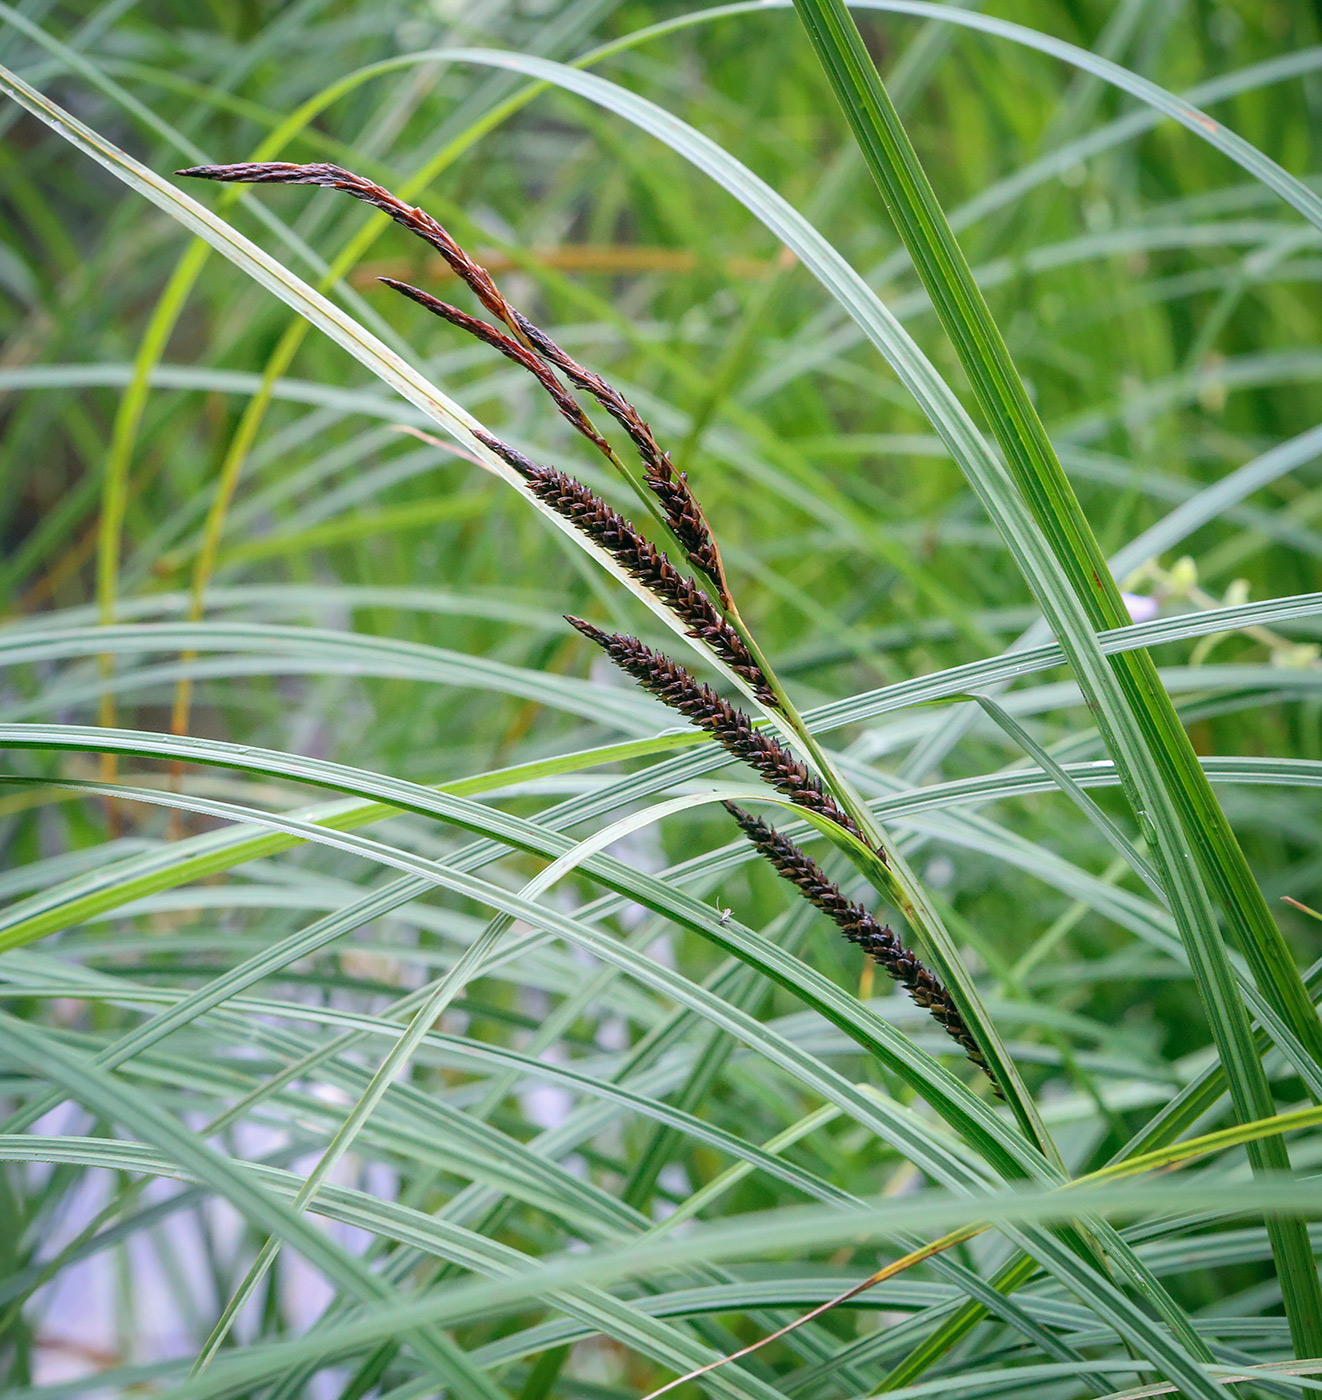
{"points": [[878, 940], [731, 728]]}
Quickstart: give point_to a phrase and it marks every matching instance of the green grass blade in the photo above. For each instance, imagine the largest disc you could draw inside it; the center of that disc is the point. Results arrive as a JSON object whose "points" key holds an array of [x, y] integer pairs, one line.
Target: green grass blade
{"points": [[1166, 784], [97, 1088]]}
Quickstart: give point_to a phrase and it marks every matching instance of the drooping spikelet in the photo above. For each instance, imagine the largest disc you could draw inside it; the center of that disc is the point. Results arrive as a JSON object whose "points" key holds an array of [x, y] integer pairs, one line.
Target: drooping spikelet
{"points": [[535, 351], [644, 561], [878, 940], [680, 507], [336, 177], [731, 728]]}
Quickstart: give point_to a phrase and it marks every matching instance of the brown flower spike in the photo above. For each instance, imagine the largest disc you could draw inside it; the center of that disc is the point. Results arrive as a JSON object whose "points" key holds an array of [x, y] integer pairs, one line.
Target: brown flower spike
{"points": [[535, 351], [878, 940], [643, 560], [731, 728]]}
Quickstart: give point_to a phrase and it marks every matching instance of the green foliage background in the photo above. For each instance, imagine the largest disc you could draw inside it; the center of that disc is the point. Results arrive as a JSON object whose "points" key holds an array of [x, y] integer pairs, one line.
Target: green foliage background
{"points": [[658, 1133]]}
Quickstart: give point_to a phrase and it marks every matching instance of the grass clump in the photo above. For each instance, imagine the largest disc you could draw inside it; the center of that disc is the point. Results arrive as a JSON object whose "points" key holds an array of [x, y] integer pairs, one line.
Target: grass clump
{"points": [[385, 1005]]}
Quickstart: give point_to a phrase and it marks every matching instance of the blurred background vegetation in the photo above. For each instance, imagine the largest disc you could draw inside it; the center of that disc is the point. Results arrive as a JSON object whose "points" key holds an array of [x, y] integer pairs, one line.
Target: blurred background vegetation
{"points": [[174, 443]]}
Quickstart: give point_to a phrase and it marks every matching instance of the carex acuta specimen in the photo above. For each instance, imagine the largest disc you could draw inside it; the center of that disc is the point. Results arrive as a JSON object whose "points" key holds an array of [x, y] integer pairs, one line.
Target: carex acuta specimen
{"points": [[706, 609]]}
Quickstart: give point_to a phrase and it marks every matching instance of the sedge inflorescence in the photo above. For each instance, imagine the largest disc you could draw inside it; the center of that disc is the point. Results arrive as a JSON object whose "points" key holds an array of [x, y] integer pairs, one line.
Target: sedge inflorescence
{"points": [[705, 608]]}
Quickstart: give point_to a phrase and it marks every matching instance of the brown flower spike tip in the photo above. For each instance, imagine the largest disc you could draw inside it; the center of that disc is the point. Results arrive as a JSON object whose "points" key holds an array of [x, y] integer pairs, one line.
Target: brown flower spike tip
{"points": [[336, 177]]}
